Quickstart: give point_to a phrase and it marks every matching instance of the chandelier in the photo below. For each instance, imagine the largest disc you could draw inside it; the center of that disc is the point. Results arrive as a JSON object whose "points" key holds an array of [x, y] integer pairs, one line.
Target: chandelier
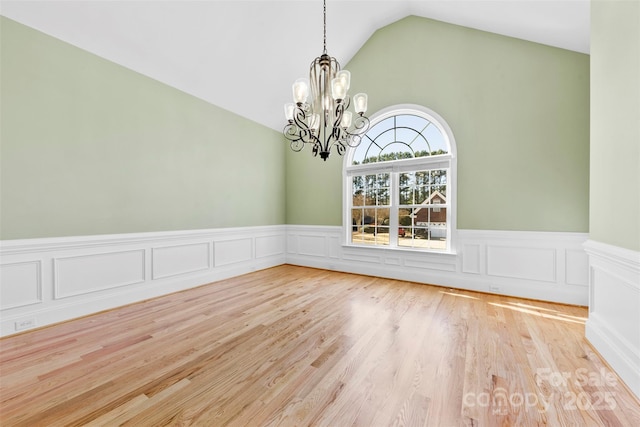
{"points": [[324, 121]]}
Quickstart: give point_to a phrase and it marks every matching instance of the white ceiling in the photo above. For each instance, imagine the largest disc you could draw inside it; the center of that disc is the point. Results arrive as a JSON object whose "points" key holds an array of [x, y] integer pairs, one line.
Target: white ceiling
{"points": [[244, 55]]}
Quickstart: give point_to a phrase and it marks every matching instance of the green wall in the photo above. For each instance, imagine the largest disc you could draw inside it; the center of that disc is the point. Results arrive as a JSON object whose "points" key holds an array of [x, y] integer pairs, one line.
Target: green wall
{"points": [[615, 123], [90, 147], [314, 188], [519, 112]]}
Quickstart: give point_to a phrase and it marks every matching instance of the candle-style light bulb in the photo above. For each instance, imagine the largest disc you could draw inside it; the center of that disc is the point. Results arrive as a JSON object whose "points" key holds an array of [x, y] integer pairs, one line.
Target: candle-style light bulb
{"points": [[288, 111], [300, 91], [360, 103]]}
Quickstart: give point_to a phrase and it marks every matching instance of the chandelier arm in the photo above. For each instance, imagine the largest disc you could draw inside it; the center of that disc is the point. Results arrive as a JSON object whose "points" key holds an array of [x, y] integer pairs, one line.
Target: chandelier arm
{"points": [[339, 113], [297, 131], [292, 133], [353, 137], [301, 113], [340, 148], [346, 102], [361, 124]]}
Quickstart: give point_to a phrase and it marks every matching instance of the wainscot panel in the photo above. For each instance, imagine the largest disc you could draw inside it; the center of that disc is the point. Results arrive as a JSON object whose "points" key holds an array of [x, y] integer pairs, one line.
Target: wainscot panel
{"points": [[20, 284], [233, 251], [45, 281], [180, 259], [270, 245], [81, 274], [613, 326], [471, 260]]}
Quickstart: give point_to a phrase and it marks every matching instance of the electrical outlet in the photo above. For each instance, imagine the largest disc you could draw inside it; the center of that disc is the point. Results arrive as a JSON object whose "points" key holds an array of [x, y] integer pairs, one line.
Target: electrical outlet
{"points": [[25, 324]]}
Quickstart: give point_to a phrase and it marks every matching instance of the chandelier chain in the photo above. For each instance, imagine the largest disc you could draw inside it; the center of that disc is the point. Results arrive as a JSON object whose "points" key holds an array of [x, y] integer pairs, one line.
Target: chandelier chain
{"points": [[324, 11]]}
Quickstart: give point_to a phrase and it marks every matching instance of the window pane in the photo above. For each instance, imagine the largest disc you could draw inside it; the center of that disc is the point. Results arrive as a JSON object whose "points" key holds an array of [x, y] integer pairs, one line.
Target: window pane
{"points": [[411, 137], [369, 216], [370, 197], [407, 179], [422, 195], [406, 196], [383, 197], [385, 138], [367, 148], [371, 153], [404, 218], [422, 178], [411, 129], [380, 127], [436, 140], [358, 190], [420, 216], [421, 233], [442, 190], [438, 230], [382, 216], [382, 236], [356, 218], [438, 176], [411, 121]]}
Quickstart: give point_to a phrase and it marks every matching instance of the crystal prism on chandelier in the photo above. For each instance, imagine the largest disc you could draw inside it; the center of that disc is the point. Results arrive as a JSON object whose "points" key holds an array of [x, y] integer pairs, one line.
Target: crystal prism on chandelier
{"points": [[324, 121]]}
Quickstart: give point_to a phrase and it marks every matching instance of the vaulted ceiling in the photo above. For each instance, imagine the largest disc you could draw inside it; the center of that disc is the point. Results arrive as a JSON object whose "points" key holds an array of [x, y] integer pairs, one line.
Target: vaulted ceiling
{"points": [[244, 55]]}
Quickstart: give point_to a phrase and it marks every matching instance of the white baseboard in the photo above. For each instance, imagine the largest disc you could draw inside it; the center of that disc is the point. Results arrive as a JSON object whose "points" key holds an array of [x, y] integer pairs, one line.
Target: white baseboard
{"points": [[546, 266], [44, 281], [613, 327]]}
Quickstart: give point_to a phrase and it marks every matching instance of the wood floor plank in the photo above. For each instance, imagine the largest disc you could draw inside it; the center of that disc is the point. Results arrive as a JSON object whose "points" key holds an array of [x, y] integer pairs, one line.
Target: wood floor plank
{"points": [[298, 346]]}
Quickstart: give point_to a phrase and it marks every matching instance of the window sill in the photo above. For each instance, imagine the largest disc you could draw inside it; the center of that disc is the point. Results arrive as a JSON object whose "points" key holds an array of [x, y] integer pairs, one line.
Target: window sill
{"points": [[407, 251]]}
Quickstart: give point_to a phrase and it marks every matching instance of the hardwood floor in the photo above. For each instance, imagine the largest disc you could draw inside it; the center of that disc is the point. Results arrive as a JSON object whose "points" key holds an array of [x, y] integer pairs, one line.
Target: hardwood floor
{"points": [[294, 346]]}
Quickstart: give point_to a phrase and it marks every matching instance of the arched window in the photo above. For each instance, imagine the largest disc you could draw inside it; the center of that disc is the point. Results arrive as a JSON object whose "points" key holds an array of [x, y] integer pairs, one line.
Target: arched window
{"points": [[400, 182]]}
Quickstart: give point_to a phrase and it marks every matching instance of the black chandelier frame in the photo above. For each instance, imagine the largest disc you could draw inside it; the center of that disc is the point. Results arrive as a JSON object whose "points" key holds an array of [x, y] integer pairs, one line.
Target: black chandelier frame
{"points": [[331, 131]]}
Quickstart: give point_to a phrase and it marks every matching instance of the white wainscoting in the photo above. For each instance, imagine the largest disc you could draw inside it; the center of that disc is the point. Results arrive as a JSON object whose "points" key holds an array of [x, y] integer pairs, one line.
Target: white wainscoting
{"points": [[43, 281], [539, 265], [614, 309]]}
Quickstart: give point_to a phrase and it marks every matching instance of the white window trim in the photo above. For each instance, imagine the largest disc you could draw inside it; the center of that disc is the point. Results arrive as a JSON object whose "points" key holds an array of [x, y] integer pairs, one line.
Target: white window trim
{"points": [[448, 161]]}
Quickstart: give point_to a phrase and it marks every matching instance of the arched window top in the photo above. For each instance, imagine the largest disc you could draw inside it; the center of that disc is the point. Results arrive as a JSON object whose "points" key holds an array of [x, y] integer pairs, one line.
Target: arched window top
{"points": [[402, 133]]}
